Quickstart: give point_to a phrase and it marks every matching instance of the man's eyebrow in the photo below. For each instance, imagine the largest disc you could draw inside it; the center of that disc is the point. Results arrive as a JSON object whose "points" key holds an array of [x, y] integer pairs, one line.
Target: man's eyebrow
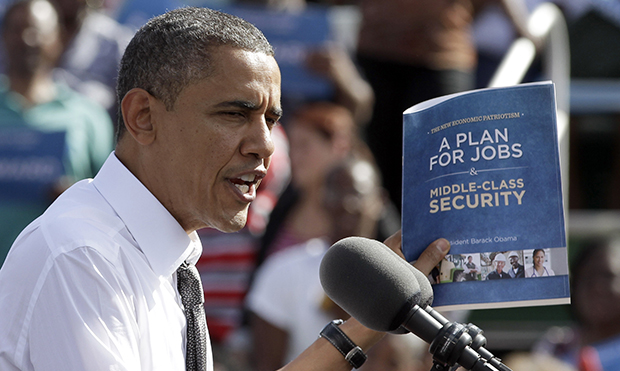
{"points": [[275, 111]]}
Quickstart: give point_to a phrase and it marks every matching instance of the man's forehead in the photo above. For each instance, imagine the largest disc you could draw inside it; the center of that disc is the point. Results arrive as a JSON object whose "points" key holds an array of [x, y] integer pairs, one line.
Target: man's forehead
{"points": [[244, 69], [225, 53]]}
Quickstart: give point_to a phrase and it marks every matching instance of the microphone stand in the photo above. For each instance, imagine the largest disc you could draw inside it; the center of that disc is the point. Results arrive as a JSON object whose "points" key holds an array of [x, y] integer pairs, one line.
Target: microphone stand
{"points": [[451, 342]]}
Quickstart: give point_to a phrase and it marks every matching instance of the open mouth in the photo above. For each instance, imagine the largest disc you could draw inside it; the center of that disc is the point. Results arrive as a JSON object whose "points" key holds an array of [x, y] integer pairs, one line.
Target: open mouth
{"points": [[246, 183]]}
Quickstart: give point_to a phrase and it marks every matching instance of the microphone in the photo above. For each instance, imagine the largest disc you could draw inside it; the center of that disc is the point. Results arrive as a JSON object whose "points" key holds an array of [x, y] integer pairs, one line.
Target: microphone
{"points": [[385, 293], [372, 283]]}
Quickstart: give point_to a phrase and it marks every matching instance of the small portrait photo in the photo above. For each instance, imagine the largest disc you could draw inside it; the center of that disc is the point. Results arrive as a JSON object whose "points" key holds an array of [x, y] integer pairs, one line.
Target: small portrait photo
{"points": [[496, 265], [471, 267], [538, 263], [459, 268], [515, 266]]}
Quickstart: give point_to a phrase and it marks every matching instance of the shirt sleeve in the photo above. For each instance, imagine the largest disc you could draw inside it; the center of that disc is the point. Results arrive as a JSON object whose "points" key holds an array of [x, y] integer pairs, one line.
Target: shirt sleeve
{"points": [[83, 318]]}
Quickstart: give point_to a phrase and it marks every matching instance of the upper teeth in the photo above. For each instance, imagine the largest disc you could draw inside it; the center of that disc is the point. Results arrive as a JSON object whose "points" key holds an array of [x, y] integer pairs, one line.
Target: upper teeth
{"points": [[248, 177]]}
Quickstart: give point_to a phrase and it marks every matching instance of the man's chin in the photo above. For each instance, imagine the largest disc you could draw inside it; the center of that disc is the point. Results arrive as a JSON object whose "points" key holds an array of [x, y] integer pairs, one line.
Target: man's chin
{"points": [[234, 224]]}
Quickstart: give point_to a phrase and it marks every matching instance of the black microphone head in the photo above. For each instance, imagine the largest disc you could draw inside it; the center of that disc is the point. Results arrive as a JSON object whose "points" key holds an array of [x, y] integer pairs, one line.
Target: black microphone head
{"points": [[372, 283]]}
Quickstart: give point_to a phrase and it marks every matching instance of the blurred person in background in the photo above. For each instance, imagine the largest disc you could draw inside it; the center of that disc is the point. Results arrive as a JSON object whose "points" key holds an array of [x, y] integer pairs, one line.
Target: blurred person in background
{"points": [[93, 44], [332, 60], [30, 98], [411, 51], [287, 303], [351, 88], [594, 342], [320, 135]]}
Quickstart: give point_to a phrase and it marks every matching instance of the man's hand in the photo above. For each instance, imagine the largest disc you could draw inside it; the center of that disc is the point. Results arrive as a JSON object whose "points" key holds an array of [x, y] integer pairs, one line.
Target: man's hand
{"points": [[323, 356], [430, 257]]}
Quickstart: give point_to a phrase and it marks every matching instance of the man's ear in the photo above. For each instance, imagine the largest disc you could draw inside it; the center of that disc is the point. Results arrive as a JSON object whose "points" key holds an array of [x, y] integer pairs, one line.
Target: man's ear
{"points": [[137, 107]]}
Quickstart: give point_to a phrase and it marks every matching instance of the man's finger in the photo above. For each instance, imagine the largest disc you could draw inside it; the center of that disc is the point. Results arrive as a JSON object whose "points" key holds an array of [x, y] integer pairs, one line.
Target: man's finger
{"points": [[432, 255], [394, 242]]}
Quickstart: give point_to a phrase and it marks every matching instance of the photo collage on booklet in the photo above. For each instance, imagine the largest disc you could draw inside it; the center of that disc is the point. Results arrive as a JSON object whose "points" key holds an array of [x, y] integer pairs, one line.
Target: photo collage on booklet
{"points": [[531, 263]]}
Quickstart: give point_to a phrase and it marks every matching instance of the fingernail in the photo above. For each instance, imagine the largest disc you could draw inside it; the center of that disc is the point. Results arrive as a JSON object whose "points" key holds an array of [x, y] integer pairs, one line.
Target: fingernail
{"points": [[443, 245]]}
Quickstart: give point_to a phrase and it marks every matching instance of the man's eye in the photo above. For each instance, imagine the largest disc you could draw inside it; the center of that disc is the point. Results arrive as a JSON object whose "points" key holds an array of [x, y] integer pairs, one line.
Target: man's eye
{"points": [[272, 121]]}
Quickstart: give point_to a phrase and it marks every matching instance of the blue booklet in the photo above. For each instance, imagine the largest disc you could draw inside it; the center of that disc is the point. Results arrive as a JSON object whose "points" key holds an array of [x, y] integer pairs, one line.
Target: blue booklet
{"points": [[481, 169]]}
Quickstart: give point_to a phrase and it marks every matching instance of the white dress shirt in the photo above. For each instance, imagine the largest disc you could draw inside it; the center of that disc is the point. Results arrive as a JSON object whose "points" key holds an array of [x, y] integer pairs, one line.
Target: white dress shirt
{"points": [[91, 284]]}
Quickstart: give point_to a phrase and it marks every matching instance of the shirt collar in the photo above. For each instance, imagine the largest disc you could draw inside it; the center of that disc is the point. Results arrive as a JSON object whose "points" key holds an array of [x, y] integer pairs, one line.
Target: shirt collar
{"points": [[160, 237]]}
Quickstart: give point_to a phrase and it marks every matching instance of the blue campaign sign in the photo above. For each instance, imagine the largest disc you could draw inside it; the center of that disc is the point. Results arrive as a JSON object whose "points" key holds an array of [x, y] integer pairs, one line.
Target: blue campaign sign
{"points": [[135, 13], [30, 162], [293, 36]]}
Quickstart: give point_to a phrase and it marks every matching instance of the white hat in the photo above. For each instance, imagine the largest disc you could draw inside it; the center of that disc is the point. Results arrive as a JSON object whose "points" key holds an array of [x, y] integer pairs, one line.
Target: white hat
{"points": [[499, 258], [513, 253]]}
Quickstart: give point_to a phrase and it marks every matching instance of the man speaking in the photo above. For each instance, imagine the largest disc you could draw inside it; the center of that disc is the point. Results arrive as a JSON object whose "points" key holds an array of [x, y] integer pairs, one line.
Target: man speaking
{"points": [[104, 279]]}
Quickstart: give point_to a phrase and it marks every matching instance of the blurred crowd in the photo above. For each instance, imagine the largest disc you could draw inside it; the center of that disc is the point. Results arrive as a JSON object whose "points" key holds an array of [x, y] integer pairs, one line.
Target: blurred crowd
{"points": [[332, 175]]}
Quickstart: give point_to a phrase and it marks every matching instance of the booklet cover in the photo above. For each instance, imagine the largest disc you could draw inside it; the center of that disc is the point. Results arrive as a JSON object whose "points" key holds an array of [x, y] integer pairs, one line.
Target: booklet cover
{"points": [[481, 169]]}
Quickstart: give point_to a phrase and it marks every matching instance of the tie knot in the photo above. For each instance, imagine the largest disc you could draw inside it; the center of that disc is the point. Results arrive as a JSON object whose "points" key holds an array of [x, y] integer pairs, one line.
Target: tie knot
{"points": [[189, 285]]}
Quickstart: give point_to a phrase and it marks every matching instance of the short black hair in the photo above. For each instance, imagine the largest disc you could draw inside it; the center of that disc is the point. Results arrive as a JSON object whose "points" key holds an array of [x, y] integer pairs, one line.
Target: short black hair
{"points": [[173, 50]]}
